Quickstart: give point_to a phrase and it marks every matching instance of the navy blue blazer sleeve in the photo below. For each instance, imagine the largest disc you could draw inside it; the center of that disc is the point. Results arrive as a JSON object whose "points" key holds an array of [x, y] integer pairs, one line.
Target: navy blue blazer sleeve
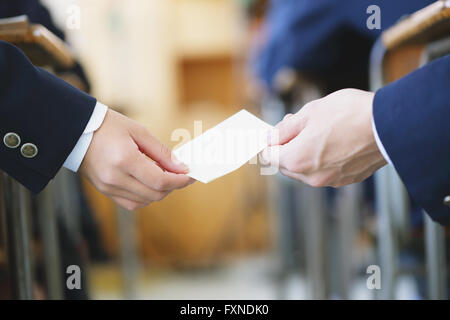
{"points": [[43, 110], [412, 120]]}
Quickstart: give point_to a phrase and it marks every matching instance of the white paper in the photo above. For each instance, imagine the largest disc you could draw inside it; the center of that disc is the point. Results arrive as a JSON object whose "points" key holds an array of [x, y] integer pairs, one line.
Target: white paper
{"points": [[225, 147]]}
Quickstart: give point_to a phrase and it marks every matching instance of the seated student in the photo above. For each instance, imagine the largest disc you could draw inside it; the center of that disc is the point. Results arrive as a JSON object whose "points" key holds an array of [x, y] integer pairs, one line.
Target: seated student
{"points": [[326, 38]]}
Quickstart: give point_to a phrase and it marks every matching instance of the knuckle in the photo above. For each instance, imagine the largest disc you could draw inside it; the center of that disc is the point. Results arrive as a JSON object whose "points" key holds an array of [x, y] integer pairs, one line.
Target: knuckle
{"points": [[337, 183], [132, 206], [284, 131], [161, 184], [291, 166], [302, 166], [104, 188], [318, 181], [165, 151], [138, 206], [108, 178], [121, 159], [334, 181], [310, 105], [307, 166], [312, 182], [161, 196], [315, 184], [185, 182], [328, 180], [144, 129], [297, 166], [139, 128]]}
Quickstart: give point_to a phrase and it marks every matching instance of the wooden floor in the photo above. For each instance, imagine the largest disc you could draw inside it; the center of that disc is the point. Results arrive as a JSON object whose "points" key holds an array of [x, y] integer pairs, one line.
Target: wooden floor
{"points": [[246, 278]]}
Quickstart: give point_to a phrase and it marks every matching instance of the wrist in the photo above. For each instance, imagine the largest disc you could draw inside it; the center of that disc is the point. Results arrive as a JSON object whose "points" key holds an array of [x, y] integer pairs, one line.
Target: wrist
{"points": [[376, 137], [380, 157], [75, 158]]}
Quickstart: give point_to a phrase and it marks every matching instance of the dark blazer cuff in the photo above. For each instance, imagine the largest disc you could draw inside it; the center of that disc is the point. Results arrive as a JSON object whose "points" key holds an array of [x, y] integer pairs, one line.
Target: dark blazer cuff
{"points": [[42, 110], [411, 116]]}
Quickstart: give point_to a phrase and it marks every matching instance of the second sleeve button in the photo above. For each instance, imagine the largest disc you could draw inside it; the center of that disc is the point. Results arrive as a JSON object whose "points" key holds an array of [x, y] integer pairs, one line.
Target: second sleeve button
{"points": [[29, 150]]}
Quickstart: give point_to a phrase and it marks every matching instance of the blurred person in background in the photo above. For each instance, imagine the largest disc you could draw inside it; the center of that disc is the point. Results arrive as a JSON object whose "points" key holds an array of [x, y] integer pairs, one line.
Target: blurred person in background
{"points": [[328, 39]]}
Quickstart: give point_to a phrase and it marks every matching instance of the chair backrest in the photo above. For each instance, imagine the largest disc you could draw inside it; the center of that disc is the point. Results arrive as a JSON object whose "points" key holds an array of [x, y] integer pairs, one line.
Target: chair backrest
{"points": [[41, 46]]}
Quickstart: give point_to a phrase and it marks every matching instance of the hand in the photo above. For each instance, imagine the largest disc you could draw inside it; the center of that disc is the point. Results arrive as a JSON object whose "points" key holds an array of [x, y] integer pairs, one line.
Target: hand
{"points": [[329, 142], [117, 164]]}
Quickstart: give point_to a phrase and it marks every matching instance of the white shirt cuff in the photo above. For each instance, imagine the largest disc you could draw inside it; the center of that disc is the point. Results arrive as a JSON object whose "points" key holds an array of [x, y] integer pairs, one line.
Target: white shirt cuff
{"points": [[379, 144], [76, 157]]}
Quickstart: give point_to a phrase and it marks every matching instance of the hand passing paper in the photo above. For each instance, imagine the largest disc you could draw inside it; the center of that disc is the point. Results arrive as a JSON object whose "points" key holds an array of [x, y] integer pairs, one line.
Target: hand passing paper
{"points": [[225, 147]]}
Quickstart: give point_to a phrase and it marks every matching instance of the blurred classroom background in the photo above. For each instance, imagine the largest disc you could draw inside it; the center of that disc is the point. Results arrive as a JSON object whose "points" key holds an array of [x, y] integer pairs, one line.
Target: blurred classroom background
{"points": [[168, 64]]}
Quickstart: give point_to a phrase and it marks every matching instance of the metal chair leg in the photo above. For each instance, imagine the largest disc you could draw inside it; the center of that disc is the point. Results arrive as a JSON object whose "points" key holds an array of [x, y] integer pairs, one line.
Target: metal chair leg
{"points": [[435, 257], [315, 238], [128, 251], [49, 236], [387, 245], [348, 205], [17, 213]]}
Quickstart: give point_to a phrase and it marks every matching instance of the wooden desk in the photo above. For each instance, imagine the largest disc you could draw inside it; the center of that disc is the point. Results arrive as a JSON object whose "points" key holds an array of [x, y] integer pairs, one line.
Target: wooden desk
{"points": [[41, 46]]}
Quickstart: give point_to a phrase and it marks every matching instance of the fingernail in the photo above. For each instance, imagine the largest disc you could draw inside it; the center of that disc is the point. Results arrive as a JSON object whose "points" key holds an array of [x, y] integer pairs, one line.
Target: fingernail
{"points": [[269, 138], [183, 166], [272, 137], [175, 159], [264, 157]]}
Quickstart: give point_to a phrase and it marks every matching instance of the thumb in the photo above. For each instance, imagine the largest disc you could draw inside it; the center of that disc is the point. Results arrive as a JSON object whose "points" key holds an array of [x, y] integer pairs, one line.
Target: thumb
{"points": [[287, 129], [157, 151], [270, 156]]}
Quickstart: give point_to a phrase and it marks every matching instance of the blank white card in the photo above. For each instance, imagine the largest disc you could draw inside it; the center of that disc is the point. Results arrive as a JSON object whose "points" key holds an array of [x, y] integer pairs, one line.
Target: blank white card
{"points": [[225, 147]]}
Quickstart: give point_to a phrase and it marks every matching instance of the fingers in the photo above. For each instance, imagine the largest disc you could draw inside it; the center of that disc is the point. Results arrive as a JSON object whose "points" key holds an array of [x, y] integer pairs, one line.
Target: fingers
{"points": [[155, 178], [283, 156], [117, 164], [271, 156], [134, 190], [275, 156], [293, 175], [128, 204], [156, 150], [287, 129]]}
